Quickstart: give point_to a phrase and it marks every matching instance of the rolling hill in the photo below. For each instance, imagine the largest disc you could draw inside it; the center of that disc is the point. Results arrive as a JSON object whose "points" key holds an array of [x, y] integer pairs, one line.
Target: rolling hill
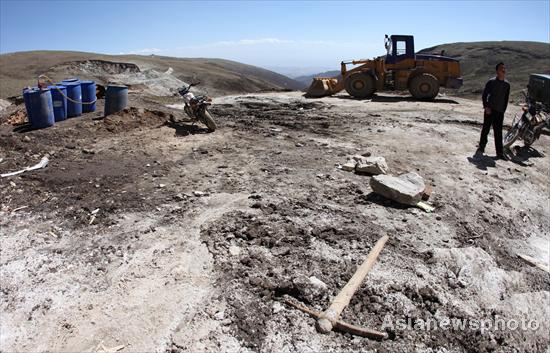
{"points": [[218, 76], [478, 60]]}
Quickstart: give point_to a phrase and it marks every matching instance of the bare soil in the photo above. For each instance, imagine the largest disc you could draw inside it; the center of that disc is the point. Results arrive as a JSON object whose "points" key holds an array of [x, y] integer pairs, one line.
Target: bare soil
{"points": [[149, 234]]}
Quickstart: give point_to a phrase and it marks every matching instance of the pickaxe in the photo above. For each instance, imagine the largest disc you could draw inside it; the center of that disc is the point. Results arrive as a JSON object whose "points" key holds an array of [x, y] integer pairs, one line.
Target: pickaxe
{"points": [[329, 319]]}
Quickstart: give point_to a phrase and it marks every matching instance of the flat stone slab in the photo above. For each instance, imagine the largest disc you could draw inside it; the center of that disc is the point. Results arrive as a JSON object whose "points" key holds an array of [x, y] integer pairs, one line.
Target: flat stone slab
{"points": [[406, 189]]}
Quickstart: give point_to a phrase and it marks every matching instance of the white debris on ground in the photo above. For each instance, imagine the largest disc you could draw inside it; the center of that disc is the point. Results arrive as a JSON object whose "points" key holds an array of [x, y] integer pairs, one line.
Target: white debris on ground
{"points": [[4, 104]]}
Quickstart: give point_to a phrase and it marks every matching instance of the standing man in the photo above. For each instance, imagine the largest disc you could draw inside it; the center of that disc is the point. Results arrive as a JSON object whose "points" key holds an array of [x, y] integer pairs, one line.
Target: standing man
{"points": [[495, 100]]}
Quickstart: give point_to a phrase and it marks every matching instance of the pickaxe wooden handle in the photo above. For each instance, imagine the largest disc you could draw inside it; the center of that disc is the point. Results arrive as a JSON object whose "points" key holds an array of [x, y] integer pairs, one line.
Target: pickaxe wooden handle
{"points": [[329, 318]]}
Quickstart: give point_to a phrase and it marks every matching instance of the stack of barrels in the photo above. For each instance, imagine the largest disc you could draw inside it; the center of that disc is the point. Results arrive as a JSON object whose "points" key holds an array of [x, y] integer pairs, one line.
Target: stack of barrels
{"points": [[68, 99]]}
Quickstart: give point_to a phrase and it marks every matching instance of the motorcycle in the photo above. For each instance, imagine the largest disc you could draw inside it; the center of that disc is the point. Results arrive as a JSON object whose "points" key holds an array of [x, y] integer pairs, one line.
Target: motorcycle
{"points": [[196, 107], [528, 126]]}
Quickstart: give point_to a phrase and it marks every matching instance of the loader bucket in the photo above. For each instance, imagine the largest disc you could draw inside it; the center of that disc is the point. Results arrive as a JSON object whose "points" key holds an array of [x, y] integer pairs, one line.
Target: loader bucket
{"points": [[324, 86]]}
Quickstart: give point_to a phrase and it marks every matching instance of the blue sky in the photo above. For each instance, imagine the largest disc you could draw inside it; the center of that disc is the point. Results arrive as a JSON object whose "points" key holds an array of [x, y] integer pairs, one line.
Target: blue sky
{"points": [[269, 34]]}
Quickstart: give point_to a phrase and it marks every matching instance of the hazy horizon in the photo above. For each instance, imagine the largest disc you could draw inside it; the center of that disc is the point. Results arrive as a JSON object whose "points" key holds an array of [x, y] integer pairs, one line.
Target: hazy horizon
{"points": [[282, 36]]}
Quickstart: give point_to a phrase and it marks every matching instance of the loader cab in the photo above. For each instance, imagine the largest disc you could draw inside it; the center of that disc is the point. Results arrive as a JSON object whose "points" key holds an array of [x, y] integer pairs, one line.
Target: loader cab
{"points": [[399, 48]]}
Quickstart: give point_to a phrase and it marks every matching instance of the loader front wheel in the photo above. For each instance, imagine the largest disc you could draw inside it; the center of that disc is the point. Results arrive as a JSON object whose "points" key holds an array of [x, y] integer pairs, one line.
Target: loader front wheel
{"points": [[424, 87], [360, 85]]}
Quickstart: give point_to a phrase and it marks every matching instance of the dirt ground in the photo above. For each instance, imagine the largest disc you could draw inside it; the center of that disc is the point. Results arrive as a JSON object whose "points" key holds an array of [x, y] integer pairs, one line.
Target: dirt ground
{"points": [[146, 233]]}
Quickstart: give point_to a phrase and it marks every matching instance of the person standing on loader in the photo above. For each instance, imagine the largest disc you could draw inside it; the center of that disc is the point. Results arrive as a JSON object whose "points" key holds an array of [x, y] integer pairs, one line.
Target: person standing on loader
{"points": [[495, 100]]}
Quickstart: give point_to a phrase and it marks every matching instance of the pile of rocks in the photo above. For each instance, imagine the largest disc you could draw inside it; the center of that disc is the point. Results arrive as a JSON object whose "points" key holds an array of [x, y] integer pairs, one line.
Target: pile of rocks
{"points": [[408, 188], [366, 165]]}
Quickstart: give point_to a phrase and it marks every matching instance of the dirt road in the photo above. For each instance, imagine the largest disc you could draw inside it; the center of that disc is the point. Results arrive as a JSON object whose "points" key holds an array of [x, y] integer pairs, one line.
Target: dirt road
{"points": [[151, 235]]}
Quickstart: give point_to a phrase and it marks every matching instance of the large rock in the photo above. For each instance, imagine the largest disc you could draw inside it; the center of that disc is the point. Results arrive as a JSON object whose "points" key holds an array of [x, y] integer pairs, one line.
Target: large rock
{"points": [[372, 165], [406, 188]]}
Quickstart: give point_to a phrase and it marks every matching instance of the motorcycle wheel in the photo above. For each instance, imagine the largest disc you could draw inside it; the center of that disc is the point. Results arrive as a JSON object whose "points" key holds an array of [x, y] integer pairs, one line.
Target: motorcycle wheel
{"points": [[207, 120], [511, 136]]}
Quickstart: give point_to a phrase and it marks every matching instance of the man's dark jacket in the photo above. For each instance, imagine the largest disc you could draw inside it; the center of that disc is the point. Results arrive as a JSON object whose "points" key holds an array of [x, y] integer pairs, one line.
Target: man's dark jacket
{"points": [[496, 94]]}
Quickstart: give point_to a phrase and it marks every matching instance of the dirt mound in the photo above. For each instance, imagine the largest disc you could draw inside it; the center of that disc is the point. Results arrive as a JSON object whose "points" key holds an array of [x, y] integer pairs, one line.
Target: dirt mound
{"points": [[134, 118]]}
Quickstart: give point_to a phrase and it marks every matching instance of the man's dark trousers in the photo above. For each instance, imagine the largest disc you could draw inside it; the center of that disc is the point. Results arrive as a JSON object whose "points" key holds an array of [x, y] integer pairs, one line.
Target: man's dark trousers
{"points": [[495, 119]]}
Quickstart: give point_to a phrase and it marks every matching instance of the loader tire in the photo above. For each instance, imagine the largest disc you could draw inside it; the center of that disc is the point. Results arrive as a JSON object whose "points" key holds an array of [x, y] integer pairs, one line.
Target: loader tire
{"points": [[424, 87], [360, 85]]}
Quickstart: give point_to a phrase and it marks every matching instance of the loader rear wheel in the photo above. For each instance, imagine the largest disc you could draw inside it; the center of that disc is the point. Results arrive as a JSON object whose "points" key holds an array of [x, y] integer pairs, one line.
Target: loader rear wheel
{"points": [[424, 86], [360, 85]]}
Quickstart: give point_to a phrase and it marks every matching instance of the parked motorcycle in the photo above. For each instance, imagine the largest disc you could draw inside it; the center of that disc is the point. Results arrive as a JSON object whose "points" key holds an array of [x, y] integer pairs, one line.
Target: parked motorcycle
{"points": [[528, 126], [196, 107]]}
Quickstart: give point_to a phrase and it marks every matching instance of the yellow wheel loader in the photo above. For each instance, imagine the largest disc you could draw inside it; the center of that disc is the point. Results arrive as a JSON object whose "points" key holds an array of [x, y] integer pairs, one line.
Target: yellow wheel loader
{"points": [[400, 69]]}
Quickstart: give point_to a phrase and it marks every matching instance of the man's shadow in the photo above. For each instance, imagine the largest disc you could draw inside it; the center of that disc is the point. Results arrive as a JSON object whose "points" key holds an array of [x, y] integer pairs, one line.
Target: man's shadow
{"points": [[481, 161]]}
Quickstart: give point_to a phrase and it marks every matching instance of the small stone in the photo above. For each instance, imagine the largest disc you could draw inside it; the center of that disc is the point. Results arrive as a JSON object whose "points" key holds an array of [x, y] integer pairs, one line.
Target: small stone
{"points": [[70, 146], [26, 139], [438, 218], [317, 283], [198, 193], [277, 307], [299, 145], [88, 151], [372, 165], [349, 166], [234, 250], [220, 315], [179, 197], [160, 186]]}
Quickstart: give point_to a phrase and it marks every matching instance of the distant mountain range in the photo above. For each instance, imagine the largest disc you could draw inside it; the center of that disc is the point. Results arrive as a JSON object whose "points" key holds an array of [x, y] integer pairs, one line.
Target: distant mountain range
{"points": [[306, 79]]}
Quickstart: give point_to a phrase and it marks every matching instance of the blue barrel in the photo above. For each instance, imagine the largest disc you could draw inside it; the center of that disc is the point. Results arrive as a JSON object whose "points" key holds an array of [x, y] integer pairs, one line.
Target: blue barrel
{"points": [[59, 101], [40, 108], [74, 101], [72, 79], [88, 96], [116, 99], [26, 93]]}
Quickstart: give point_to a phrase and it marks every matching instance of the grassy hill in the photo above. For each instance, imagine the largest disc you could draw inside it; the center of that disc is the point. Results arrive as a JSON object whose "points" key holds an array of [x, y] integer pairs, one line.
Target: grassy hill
{"points": [[478, 60], [218, 76]]}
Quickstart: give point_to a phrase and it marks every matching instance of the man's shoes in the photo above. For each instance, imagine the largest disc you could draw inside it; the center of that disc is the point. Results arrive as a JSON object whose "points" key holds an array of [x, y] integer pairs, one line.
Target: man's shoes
{"points": [[479, 152], [502, 157]]}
